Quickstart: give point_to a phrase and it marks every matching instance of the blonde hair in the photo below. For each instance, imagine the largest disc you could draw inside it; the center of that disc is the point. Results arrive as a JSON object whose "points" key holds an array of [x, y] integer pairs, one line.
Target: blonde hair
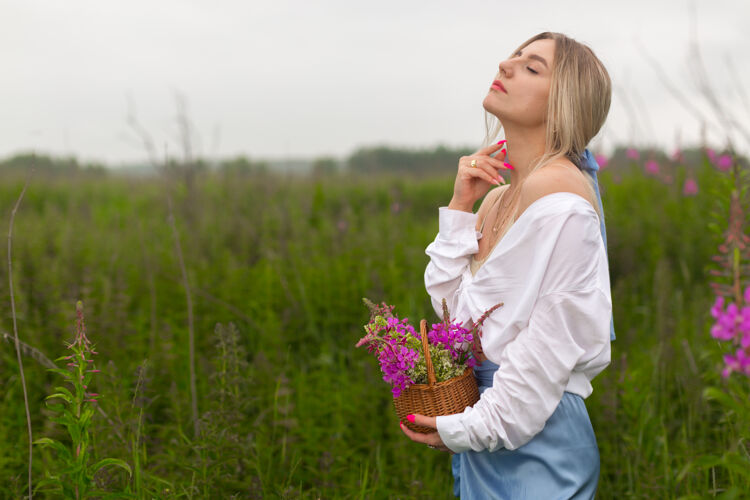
{"points": [[579, 99]]}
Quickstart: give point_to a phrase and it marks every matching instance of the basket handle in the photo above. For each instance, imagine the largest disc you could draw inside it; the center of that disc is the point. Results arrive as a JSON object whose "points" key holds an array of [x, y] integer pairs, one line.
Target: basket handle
{"points": [[426, 349]]}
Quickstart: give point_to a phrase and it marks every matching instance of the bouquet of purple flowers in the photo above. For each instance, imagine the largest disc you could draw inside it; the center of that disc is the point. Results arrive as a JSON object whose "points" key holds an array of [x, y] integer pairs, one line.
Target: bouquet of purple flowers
{"points": [[399, 350]]}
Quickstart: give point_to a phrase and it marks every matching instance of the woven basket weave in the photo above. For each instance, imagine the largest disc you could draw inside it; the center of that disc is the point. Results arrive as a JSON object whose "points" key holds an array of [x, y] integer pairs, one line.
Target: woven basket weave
{"points": [[436, 398]]}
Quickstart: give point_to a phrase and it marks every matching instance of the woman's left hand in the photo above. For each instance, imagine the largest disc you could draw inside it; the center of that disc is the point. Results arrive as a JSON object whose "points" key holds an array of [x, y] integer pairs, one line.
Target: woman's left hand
{"points": [[432, 438]]}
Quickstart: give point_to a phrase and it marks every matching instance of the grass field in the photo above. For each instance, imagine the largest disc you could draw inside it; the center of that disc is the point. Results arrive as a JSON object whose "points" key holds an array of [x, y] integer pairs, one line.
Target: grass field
{"points": [[277, 267]]}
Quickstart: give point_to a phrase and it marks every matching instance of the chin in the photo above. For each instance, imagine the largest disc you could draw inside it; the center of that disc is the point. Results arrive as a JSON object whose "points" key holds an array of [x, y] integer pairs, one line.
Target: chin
{"points": [[492, 110], [487, 104]]}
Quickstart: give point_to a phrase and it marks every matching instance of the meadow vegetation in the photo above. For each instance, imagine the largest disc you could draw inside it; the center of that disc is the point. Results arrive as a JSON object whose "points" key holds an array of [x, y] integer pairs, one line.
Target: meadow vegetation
{"points": [[277, 267]]}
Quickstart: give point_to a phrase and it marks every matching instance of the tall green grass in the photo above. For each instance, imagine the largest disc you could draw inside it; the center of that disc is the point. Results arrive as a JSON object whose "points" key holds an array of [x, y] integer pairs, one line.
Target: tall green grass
{"points": [[289, 408]]}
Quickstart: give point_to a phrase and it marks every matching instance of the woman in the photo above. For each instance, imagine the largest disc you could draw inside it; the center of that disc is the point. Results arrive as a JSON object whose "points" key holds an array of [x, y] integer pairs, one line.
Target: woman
{"points": [[539, 246]]}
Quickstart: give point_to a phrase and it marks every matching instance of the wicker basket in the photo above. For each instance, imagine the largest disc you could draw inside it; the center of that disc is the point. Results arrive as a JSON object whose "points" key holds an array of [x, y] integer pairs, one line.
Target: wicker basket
{"points": [[436, 398]]}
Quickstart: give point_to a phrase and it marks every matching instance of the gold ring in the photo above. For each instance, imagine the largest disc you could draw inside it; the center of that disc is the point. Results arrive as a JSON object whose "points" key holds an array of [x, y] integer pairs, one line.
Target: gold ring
{"points": [[473, 163]]}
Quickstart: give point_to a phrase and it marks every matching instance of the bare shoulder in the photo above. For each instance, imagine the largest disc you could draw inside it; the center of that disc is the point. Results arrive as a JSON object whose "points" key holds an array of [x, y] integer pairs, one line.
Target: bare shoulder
{"points": [[561, 176], [489, 199]]}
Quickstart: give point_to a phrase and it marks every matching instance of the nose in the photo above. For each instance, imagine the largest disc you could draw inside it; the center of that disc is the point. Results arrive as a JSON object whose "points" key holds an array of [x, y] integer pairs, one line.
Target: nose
{"points": [[504, 67]]}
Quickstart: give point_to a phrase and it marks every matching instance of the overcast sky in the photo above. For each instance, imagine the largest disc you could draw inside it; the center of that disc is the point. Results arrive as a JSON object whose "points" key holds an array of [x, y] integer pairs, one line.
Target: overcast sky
{"points": [[280, 78]]}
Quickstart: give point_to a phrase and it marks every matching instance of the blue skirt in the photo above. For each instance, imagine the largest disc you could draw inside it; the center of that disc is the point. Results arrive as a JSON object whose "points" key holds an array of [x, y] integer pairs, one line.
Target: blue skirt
{"points": [[560, 462]]}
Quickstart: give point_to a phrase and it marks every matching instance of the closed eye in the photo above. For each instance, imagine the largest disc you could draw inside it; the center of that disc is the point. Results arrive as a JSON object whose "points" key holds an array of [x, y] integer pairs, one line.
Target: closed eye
{"points": [[532, 70]]}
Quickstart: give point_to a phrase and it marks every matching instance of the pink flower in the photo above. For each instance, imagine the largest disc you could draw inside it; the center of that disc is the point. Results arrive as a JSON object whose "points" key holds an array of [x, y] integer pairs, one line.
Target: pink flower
{"points": [[745, 338], [718, 307], [725, 327], [632, 153], [652, 167], [722, 331], [601, 160], [733, 325], [388, 336], [740, 362], [724, 163], [690, 188]]}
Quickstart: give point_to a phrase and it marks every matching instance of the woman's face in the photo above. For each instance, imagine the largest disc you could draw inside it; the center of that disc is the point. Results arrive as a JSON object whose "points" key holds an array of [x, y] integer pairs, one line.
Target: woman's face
{"points": [[526, 79]]}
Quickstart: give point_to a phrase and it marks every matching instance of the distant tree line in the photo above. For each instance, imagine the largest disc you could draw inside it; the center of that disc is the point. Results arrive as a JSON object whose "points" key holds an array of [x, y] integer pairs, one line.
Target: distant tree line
{"points": [[388, 159], [44, 164], [364, 160]]}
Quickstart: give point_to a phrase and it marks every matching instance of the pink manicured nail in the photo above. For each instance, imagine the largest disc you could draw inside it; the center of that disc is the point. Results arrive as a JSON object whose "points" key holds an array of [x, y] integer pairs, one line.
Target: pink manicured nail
{"points": [[502, 150], [501, 141], [410, 418], [509, 165]]}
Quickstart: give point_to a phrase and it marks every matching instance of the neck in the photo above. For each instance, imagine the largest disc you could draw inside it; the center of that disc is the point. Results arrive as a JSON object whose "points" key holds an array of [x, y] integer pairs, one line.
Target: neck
{"points": [[523, 147]]}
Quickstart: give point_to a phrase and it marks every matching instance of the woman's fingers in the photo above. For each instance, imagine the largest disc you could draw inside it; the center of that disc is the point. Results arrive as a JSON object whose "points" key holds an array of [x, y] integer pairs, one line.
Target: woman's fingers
{"points": [[497, 161], [431, 439], [491, 148], [484, 171], [465, 190], [485, 165]]}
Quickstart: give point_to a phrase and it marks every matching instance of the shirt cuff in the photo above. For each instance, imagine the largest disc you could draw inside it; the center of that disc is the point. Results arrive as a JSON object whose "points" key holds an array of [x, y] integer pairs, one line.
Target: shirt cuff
{"points": [[452, 431], [456, 223]]}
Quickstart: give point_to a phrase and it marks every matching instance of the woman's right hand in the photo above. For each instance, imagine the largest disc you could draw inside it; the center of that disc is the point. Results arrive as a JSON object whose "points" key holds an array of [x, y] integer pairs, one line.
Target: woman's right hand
{"points": [[473, 182]]}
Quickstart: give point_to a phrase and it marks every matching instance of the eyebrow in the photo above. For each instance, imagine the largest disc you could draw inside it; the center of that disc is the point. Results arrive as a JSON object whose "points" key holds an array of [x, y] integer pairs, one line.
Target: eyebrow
{"points": [[538, 58]]}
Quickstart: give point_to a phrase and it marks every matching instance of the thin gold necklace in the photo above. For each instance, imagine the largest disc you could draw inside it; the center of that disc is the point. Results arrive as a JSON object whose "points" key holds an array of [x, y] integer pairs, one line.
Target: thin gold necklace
{"points": [[496, 226]]}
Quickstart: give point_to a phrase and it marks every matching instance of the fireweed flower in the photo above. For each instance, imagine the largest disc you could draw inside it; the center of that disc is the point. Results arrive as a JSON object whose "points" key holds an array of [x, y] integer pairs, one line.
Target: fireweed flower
{"points": [[74, 471], [454, 338], [724, 163], [740, 362], [398, 348], [82, 348], [632, 154], [726, 323], [652, 167], [690, 187], [733, 324]]}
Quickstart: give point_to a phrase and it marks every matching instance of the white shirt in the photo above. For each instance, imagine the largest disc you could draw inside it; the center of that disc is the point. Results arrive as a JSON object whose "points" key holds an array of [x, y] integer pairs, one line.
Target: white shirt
{"points": [[552, 334]]}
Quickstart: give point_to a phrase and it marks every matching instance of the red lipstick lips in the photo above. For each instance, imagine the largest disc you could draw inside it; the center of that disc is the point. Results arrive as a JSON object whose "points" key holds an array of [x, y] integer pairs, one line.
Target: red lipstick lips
{"points": [[497, 84]]}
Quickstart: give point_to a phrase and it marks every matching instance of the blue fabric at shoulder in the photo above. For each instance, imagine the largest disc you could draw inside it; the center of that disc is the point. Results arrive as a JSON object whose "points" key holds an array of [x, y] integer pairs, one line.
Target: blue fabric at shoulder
{"points": [[589, 164]]}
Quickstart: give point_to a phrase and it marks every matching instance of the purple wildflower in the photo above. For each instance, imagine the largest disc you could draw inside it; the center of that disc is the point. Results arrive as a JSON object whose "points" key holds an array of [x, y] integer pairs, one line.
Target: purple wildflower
{"points": [[690, 187], [733, 324], [652, 167], [724, 163], [394, 343], [740, 362]]}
